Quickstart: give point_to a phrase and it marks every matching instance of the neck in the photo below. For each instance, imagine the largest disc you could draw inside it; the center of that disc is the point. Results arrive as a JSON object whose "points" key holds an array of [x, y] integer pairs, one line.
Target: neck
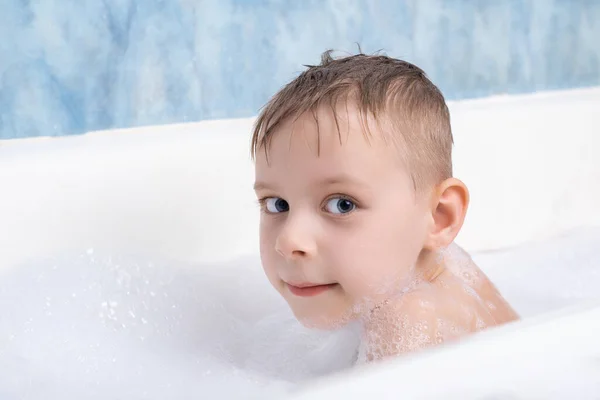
{"points": [[430, 265]]}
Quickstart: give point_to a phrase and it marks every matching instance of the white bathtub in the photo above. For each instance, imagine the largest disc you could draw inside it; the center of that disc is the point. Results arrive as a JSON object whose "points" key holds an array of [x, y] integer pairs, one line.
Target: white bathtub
{"points": [[184, 193]]}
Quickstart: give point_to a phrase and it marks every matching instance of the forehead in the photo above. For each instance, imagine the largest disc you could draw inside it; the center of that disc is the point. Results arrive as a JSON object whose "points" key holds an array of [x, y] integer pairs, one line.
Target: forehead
{"points": [[323, 143]]}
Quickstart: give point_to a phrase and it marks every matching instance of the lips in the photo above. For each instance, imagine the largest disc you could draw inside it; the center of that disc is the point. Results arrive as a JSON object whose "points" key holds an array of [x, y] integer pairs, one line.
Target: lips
{"points": [[309, 289]]}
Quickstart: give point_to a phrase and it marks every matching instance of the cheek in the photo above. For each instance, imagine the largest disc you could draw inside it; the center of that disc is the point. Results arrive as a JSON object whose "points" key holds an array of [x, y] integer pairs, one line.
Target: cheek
{"points": [[264, 240], [381, 254], [268, 255], [267, 233]]}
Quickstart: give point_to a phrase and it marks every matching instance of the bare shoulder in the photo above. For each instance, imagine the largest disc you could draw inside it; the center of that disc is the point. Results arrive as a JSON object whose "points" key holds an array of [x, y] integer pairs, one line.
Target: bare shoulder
{"points": [[443, 311], [421, 319], [460, 301], [464, 280], [448, 313]]}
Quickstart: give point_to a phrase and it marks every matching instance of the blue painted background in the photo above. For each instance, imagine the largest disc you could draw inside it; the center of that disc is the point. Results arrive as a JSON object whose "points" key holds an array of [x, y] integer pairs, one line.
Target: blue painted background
{"points": [[70, 66]]}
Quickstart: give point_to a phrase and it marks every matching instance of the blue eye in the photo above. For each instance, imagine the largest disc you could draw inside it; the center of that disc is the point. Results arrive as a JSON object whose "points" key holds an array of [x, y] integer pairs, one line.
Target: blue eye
{"points": [[340, 205], [276, 205]]}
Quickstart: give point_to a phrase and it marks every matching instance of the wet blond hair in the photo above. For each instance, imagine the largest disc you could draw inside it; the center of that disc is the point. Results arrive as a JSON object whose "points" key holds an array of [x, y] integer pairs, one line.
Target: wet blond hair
{"points": [[381, 86]]}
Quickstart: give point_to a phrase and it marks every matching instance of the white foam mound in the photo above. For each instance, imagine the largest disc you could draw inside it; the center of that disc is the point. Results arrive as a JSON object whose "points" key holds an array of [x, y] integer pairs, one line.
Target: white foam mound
{"points": [[95, 326]]}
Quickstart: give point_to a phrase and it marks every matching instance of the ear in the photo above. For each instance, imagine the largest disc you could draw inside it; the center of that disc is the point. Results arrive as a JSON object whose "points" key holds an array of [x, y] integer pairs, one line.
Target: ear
{"points": [[449, 206]]}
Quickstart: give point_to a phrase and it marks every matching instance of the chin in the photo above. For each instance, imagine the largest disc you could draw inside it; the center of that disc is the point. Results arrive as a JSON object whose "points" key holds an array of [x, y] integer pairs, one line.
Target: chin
{"points": [[323, 321]]}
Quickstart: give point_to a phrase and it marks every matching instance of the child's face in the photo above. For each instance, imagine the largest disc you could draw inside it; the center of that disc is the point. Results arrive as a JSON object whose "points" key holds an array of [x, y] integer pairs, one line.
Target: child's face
{"points": [[347, 218]]}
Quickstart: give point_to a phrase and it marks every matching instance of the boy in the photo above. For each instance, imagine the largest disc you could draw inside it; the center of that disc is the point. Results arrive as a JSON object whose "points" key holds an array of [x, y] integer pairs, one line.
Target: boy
{"points": [[360, 209]]}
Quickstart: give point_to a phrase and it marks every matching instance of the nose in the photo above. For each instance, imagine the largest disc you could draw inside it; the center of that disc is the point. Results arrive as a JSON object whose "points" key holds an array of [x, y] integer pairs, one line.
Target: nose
{"points": [[296, 238]]}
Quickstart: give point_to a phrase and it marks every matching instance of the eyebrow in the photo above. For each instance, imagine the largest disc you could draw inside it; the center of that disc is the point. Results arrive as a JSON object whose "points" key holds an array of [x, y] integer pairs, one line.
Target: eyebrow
{"points": [[260, 186], [329, 181], [340, 179]]}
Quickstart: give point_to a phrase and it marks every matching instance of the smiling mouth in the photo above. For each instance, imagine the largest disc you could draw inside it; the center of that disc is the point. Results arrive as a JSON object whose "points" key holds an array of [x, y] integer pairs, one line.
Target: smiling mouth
{"points": [[308, 289]]}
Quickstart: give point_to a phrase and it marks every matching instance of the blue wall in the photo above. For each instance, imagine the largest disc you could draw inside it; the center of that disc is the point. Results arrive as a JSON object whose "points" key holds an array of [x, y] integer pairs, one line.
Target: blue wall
{"points": [[70, 66]]}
